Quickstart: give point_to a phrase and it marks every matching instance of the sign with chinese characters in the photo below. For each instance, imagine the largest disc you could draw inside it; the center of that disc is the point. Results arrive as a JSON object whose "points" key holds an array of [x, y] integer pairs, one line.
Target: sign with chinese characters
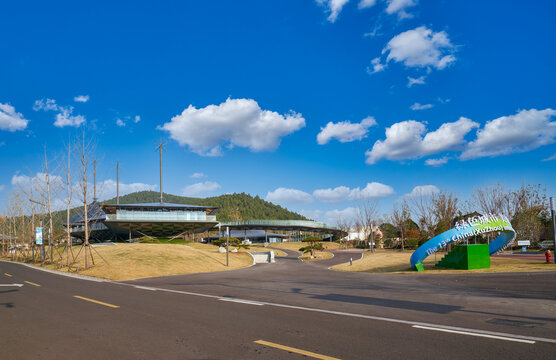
{"points": [[473, 226]]}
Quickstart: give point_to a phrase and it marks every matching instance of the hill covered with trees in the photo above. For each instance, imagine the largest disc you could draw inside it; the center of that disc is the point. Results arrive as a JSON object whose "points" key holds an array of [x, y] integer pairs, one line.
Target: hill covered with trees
{"points": [[232, 206]]}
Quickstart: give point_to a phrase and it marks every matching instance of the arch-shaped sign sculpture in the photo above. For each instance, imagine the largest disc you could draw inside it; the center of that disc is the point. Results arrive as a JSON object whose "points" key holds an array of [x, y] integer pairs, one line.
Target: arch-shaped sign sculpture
{"points": [[473, 226]]}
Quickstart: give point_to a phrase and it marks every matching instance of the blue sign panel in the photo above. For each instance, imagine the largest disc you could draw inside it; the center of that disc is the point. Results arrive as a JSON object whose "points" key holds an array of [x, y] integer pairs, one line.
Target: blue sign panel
{"points": [[38, 235]]}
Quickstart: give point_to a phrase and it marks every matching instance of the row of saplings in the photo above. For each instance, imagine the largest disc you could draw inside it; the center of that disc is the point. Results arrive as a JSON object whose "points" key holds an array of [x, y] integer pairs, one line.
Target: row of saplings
{"points": [[313, 243]]}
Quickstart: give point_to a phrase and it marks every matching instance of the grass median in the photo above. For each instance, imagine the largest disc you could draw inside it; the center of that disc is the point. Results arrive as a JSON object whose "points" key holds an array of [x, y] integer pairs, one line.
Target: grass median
{"points": [[131, 261]]}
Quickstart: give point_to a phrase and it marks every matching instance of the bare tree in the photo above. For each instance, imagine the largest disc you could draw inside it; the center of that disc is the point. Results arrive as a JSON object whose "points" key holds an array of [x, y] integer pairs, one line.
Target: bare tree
{"points": [[344, 225], [49, 189], [493, 199], [423, 208], [401, 215], [367, 218], [84, 150], [445, 209], [68, 184], [528, 205]]}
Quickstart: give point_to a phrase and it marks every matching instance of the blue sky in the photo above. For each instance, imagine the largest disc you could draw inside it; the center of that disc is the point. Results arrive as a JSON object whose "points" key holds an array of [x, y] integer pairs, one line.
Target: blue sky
{"points": [[403, 93]]}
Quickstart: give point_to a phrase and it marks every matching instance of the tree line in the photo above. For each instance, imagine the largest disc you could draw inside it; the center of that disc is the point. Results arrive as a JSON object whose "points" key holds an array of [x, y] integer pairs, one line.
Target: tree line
{"points": [[414, 220]]}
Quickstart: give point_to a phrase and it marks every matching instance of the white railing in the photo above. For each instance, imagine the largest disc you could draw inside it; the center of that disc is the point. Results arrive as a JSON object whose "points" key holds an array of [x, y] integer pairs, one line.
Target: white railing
{"points": [[159, 216]]}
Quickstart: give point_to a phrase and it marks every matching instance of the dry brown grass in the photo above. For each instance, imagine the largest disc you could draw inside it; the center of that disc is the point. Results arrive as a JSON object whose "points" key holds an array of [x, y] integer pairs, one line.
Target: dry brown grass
{"points": [[131, 261], [298, 244], [398, 262], [319, 255]]}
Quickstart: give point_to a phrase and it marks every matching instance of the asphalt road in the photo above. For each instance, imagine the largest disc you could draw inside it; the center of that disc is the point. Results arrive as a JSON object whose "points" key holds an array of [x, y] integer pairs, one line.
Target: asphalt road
{"points": [[277, 311]]}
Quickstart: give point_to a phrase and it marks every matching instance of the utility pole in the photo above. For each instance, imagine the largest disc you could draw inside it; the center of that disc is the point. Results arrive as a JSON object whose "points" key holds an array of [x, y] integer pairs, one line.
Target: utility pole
{"points": [[227, 245], [95, 180], [118, 183], [161, 147], [552, 211]]}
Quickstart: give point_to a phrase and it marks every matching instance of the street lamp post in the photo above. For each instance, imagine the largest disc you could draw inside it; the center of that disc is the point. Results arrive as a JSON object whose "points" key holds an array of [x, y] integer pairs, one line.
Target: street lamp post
{"points": [[227, 245], [552, 211]]}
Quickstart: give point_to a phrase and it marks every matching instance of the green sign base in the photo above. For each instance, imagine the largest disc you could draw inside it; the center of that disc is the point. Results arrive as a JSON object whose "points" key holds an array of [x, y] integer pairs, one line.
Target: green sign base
{"points": [[467, 257]]}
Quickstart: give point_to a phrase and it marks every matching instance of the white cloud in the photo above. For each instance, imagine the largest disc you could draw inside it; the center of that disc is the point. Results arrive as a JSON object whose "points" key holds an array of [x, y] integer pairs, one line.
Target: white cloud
{"points": [[524, 131], [374, 32], [415, 81], [81, 98], [345, 131], [417, 106], [288, 196], [197, 175], [37, 182], [550, 158], [336, 195], [45, 104], [10, 119], [364, 4], [107, 188], [238, 122], [437, 162], [336, 216], [373, 190], [311, 214], [404, 140], [334, 7], [136, 119], [377, 66], [65, 118], [200, 189], [120, 122], [421, 47], [399, 7], [423, 190]]}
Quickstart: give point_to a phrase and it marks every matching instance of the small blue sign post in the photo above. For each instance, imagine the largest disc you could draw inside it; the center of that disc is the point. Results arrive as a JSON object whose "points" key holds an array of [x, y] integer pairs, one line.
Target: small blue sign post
{"points": [[38, 240], [38, 235]]}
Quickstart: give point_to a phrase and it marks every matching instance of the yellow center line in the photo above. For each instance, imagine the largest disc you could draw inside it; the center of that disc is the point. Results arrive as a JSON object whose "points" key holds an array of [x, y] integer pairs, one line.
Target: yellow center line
{"points": [[96, 301], [294, 350], [7, 274], [32, 283]]}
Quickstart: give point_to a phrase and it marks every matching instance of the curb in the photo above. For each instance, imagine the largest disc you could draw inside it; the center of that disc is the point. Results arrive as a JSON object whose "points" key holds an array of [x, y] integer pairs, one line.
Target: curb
{"points": [[62, 273]]}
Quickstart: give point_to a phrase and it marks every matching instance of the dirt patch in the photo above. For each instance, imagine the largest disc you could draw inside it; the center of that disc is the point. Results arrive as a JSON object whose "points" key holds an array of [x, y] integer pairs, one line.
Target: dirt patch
{"points": [[319, 255]]}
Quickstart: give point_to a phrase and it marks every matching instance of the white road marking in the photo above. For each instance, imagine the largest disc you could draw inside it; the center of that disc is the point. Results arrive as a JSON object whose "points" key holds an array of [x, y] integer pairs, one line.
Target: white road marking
{"points": [[249, 302], [370, 317], [18, 285], [474, 334], [145, 288]]}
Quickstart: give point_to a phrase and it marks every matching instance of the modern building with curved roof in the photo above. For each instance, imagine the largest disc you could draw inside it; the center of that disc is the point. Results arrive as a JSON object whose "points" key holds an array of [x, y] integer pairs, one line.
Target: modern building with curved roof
{"points": [[126, 221], [286, 225]]}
